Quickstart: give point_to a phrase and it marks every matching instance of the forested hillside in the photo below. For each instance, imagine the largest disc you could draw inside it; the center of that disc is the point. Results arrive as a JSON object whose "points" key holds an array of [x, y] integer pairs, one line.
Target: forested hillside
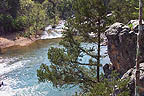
{"points": [[29, 16]]}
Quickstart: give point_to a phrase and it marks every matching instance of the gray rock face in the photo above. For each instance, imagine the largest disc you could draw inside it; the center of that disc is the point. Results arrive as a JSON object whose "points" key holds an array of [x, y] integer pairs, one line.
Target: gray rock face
{"points": [[131, 73], [122, 52], [121, 46]]}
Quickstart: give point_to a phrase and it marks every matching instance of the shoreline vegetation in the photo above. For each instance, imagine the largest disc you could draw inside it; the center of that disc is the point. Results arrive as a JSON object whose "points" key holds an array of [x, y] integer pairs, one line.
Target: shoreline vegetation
{"points": [[22, 20], [8, 41]]}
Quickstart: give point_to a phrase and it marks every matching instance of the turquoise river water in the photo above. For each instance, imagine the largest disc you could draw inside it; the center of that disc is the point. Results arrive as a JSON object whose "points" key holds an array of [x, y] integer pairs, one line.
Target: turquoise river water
{"points": [[18, 70]]}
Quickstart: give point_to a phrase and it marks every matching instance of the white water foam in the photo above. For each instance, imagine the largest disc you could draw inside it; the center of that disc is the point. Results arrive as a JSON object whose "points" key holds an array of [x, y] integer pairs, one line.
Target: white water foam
{"points": [[54, 32], [8, 65], [6, 89], [48, 28], [9, 90], [35, 90], [31, 91], [51, 35]]}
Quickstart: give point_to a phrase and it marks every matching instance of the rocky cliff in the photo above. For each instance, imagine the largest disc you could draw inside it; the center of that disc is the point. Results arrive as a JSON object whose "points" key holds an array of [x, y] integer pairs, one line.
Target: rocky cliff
{"points": [[122, 46], [122, 52]]}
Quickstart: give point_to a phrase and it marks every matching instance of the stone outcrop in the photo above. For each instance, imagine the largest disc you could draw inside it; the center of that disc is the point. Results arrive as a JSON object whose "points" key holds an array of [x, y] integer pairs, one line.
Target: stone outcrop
{"points": [[122, 46], [122, 52], [131, 74]]}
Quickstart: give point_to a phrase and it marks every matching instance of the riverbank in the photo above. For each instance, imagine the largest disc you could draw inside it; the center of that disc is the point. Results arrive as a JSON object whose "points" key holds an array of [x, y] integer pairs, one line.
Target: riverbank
{"points": [[12, 40]]}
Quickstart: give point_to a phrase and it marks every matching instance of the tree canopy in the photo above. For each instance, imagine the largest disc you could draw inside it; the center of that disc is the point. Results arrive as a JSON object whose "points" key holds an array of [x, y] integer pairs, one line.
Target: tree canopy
{"points": [[30, 16], [52, 11]]}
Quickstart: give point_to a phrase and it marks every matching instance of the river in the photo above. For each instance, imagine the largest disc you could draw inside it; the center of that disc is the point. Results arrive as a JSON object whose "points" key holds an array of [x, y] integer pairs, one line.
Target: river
{"points": [[18, 70]]}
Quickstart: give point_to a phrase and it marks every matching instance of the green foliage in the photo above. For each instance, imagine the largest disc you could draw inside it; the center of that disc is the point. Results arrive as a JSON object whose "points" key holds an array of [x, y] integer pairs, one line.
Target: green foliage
{"points": [[58, 9], [36, 17], [51, 11], [67, 67], [30, 16], [124, 10], [6, 22], [65, 8], [20, 22], [22, 15], [131, 26], [9, 7], [110, 86], [3, 6]]}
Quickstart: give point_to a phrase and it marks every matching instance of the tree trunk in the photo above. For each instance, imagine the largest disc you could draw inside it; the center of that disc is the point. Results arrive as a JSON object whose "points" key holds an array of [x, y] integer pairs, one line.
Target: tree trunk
{"points": [[139, 54], [98, 52]]}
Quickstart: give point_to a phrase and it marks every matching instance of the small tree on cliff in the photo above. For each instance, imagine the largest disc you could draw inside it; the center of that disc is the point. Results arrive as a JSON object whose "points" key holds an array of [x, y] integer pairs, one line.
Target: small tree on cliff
{"points": [[82, 39]]}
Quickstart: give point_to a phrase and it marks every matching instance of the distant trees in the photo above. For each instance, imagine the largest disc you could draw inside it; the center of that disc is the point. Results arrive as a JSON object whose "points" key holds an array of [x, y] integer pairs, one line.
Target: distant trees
{"points": [[21, 15], [8, 11], [65, 9], [124, 10], [57, 9], [29, 16]]}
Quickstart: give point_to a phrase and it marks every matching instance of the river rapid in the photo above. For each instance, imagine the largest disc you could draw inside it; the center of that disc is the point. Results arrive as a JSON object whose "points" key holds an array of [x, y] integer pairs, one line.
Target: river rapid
{"points": [[19, 71]]}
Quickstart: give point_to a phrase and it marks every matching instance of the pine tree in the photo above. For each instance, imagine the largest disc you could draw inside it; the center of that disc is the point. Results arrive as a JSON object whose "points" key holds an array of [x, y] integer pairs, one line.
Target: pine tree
{"points": [[113, 86], [81, 38]]}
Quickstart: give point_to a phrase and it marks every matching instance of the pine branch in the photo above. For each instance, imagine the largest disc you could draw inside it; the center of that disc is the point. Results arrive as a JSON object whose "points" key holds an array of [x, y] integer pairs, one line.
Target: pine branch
{"points": [[94, 56], [83, 63]]}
